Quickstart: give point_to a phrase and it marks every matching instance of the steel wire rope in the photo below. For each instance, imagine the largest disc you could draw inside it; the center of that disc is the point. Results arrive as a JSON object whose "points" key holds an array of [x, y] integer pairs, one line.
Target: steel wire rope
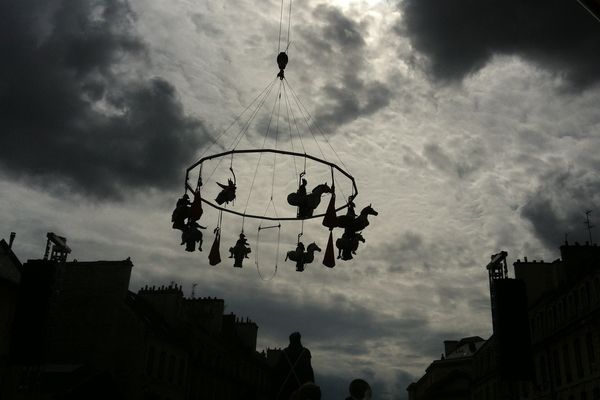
{"points": [[276, 137], [294, 119], [308, 124], [318, 127], [259, 158], [305, 114], [290, 132], [245, 130], [307, 121], [246, 125], [280, 19], [326, 141], [289, 24], [216, 140]]}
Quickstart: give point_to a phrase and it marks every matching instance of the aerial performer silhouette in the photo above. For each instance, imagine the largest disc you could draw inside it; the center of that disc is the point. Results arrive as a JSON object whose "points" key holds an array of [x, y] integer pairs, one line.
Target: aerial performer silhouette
{"points": [[267, 170]]}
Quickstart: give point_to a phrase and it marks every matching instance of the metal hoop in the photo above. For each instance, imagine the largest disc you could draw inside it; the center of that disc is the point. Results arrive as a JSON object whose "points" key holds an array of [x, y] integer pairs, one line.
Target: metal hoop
{"points": [[275, 151]]}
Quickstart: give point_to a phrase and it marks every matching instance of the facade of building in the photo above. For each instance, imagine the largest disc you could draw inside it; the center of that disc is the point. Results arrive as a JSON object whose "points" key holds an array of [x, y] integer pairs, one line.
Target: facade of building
{"points": [[79, 332], [450, 377], [564, 318], [563, 309], [10, 276]]}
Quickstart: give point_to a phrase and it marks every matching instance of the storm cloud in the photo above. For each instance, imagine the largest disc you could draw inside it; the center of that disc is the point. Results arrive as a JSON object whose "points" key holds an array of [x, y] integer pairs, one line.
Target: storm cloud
{"points": [[459, 37], [337, 43], [76, 113], [557, 206]]}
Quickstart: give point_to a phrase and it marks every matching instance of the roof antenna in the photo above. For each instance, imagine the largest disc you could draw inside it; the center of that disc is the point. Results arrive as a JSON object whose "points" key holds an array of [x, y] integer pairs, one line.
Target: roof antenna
{"points": [[588, 224]]}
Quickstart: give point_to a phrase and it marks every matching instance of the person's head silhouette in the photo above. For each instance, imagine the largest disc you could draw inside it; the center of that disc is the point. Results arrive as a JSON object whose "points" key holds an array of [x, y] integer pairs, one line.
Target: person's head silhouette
{"points": [[359, 390], [295, 339]]}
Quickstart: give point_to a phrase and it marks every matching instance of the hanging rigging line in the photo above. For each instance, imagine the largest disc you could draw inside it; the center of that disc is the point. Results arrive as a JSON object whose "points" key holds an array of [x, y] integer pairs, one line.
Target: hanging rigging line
{"points": [[260, 155], [280, 19], [265, 93]]}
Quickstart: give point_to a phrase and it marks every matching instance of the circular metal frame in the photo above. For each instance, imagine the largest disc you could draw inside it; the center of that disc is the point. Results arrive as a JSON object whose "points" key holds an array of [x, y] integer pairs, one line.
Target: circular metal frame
{"points": [[275, 151]]}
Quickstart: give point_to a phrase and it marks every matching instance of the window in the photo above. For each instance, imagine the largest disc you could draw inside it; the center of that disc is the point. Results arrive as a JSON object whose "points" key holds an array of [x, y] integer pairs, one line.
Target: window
{"points": [[557, 375], [181, 370], [544, 368], [161, 365], [150, 361], [578, 358], [171, 369], [589, 339], [567, 363]]}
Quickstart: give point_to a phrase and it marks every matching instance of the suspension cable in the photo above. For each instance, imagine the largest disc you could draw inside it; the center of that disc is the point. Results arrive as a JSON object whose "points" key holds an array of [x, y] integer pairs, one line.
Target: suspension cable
{"points": [[306, 120], [216, 140], [276, 137], [260, 155], [318, 127], [290, 131], [294, 118], [289, 24], [280, 19], [246, 125]]}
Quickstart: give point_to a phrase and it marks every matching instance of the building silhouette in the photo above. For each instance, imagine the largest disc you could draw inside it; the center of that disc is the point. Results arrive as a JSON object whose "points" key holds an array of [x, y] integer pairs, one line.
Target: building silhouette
{"points": [[449, 377], [9, 283], [80, 333], [556, 358]]}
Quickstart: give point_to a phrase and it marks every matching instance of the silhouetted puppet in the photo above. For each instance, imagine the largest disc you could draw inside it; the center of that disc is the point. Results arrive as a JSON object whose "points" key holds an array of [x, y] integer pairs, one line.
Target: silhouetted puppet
{"points": [[239, 251], [301, 257], [362, 221], [282, 60], [348, 244], [359, 390], [293, 368], [308, 391], [344, 221], [227, 194], [181, 212], [307, 203], [192, 235]]}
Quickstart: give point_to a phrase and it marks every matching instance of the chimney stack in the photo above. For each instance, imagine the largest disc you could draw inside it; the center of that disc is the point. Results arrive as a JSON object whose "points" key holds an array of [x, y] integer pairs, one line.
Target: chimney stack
{"points": [[11, 240]]}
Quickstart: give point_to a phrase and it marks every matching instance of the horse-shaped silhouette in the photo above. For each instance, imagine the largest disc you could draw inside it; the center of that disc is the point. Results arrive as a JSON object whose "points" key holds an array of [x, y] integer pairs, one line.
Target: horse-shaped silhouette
{"points": [[302, 257], [307, 203], [348, 244], [359, 223]]}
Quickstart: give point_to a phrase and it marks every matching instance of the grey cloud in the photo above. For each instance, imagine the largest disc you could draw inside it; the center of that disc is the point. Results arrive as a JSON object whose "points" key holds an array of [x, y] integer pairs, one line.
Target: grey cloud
{"points": [[345, 103], [403, 379], [459, 37], [339, 28], [205, 25], [70, 118], [336, 43], [556, 207], [462, 165]]}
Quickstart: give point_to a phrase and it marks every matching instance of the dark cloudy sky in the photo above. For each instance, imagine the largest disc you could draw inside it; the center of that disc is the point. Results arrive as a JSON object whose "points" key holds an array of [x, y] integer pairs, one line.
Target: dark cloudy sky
{"points": [[471, 126]]}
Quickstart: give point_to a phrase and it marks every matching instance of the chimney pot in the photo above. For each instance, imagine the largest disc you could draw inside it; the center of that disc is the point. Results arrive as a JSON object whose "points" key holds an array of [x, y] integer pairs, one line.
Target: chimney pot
{"points": [[11, 240]]}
